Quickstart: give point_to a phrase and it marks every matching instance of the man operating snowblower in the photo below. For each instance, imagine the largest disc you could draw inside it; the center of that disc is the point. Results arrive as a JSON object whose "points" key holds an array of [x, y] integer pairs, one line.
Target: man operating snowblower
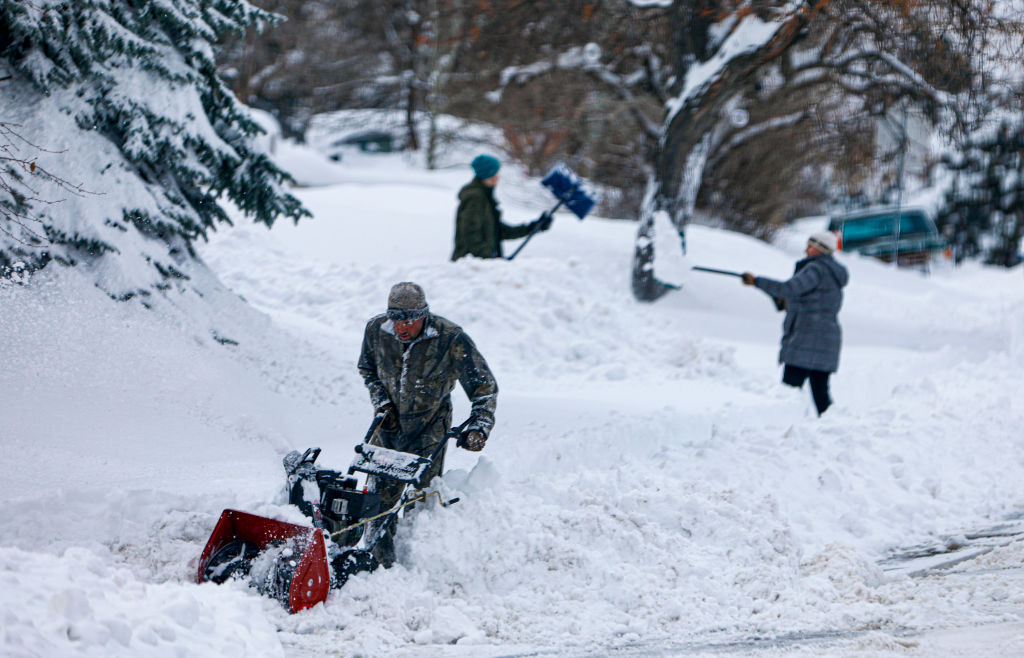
{"points": [[410, 361]]}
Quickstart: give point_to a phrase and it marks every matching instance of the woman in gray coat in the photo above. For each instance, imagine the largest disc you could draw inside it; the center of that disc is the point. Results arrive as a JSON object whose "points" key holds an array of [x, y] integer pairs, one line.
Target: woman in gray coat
{"points": [[811, 336]]}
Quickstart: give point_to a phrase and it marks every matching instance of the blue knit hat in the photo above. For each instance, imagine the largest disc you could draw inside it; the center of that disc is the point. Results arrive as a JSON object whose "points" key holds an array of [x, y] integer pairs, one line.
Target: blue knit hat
{"points": [[485, 166]]}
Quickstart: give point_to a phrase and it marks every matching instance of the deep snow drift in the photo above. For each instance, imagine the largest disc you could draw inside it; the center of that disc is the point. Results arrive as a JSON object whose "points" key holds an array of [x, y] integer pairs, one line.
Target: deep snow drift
{"points": [[649, 483]]}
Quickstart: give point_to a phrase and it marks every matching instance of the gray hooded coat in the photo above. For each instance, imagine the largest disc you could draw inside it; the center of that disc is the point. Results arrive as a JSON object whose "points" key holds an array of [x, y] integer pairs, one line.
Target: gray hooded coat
{"points": [[811, 336]]}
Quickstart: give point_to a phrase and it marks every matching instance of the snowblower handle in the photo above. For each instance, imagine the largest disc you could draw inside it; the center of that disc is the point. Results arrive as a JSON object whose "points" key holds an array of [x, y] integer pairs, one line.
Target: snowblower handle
{"points": [[456, 433], [374, 426]]}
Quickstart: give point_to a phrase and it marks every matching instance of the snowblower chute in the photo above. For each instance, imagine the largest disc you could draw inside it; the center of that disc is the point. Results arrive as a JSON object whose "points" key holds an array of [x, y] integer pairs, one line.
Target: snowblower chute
{"points": [[285, 561]]}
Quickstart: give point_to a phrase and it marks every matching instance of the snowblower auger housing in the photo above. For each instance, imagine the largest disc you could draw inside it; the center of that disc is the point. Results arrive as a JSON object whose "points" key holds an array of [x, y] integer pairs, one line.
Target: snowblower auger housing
{"points": [[285, 561]]}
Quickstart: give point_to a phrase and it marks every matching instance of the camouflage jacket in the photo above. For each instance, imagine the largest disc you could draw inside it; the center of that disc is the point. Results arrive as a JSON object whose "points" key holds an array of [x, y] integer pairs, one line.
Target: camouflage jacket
{"points": [[478, 226], [418, 377]]}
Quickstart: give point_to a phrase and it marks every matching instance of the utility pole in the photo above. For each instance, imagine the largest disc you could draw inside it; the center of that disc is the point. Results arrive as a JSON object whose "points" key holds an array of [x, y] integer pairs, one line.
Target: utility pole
{"points": [[899, 187]]}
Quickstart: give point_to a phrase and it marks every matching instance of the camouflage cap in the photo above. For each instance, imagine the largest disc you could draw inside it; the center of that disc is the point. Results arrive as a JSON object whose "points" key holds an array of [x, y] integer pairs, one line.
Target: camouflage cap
{"points": [[406, 302]]}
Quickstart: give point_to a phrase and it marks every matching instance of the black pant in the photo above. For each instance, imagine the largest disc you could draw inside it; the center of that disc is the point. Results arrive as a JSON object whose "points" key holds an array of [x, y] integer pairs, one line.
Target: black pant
{"points": [[795, 376]]}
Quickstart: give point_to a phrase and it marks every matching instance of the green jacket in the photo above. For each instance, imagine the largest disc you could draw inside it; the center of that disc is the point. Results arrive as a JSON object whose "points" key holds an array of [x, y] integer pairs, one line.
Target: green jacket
{"points": [[478, 226], [418, 378]]}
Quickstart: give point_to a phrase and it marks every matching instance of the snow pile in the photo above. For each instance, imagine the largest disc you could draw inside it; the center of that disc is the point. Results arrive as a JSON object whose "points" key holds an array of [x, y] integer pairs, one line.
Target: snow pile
{"points": [[81, 603], [649, 483]]}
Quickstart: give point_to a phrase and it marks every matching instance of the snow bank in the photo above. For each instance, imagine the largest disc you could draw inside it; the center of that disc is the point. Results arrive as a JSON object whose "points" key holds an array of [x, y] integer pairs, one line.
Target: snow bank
{"points": [[79, 603], [648, 483]]}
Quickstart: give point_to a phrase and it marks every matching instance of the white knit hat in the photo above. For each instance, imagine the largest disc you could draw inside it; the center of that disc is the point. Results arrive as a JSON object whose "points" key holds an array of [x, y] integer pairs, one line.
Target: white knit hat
{"points": [[824, 241]]}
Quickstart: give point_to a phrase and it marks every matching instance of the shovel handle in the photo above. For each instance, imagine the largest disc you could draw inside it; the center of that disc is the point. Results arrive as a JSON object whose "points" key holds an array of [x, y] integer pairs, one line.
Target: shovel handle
{"points": [[715, 271], [535, 229]]}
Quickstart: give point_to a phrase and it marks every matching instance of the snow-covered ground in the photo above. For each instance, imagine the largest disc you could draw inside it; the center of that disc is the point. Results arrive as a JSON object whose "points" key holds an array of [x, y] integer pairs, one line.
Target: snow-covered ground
{"points": [[649, 488]]}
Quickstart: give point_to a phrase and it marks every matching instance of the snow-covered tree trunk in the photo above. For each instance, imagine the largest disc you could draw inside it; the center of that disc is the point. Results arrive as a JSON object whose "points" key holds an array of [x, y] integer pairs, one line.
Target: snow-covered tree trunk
{"points": [[692, 127]]}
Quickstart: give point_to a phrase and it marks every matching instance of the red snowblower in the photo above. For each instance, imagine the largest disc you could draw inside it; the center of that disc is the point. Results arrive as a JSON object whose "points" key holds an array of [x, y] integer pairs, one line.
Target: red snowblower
{"points": [[298, 565], [285, 561]]}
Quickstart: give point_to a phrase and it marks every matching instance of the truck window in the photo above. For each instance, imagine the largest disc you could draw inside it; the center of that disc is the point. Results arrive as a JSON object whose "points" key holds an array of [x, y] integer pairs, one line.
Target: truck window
{"points": [[873, 227]]}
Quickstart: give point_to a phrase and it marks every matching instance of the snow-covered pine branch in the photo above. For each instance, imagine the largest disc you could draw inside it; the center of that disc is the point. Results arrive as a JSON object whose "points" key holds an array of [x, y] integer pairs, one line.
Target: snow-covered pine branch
{"points": [[126, 101]]}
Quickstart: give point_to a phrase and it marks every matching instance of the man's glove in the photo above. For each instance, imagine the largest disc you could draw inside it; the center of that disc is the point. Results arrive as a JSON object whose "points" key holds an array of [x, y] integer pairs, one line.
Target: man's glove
{"points": [[473, 440], [542, 223], [390, 421], [780, 303], [748, 279]]}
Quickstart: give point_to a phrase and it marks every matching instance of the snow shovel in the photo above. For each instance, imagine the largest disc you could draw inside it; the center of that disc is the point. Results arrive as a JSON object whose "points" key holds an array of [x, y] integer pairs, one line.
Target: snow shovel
{"points": [[285, 561], [780, 303], [570, 190], [738, 275]]}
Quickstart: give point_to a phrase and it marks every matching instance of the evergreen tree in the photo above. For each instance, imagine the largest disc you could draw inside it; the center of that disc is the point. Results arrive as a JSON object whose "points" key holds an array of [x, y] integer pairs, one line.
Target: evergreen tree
{"points": [[984, 212], [117, 102]]}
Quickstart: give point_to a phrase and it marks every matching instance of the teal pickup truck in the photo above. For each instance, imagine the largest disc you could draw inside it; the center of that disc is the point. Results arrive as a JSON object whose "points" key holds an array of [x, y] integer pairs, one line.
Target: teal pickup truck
{"points": [[873, 232]]}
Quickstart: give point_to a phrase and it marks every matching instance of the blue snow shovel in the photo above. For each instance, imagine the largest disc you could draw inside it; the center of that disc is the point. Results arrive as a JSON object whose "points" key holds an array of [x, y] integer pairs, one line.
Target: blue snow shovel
{"points": [[570, 190]]}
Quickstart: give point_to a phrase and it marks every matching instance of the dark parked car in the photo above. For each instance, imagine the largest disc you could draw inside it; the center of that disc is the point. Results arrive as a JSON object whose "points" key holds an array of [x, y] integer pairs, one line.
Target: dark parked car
{"points": [[873, 232], [367, 141]]}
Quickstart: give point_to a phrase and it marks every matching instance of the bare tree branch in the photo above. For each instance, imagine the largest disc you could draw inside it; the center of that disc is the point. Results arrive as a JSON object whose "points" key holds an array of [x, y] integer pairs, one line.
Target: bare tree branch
{"points": [[16, 169]]}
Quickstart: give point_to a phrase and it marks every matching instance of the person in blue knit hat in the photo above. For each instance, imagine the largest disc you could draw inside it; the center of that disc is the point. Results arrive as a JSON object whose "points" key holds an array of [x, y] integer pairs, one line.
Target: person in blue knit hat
{"points": [[478, 226]]}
